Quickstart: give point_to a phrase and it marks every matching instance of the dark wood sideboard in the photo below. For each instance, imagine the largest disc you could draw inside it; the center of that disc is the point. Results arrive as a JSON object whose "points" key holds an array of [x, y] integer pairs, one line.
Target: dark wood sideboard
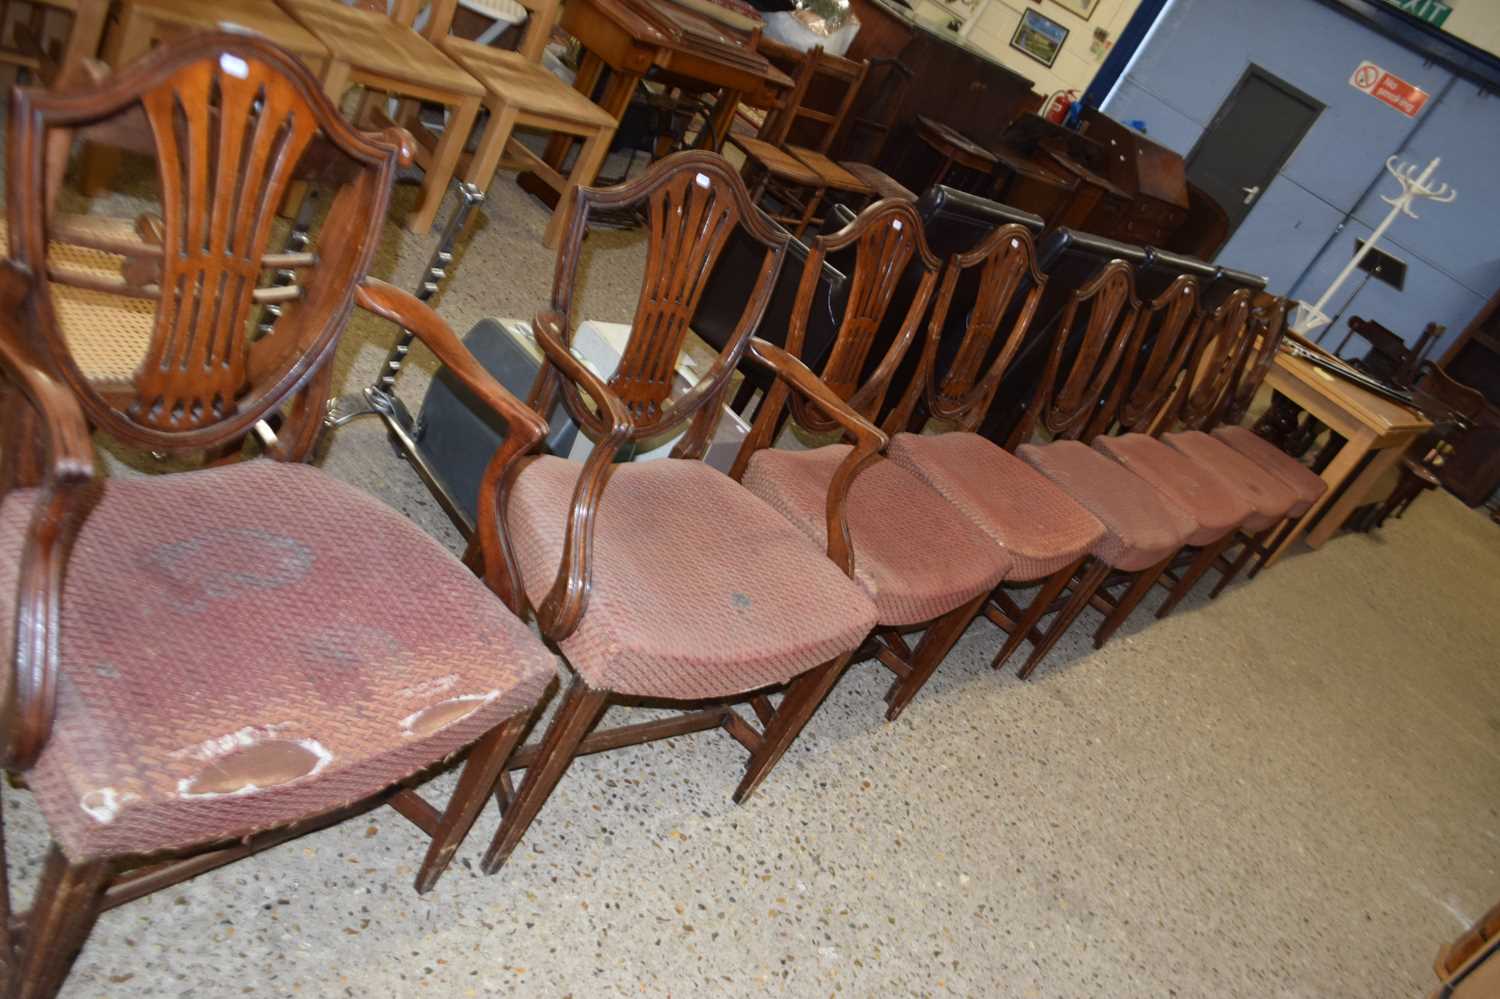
{"points": [[1472, 472]]}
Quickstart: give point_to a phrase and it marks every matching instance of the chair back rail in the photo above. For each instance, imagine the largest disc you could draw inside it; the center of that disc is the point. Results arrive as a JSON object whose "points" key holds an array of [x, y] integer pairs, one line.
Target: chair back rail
{"points": [[1153, 366], [229, 119], [1097, 325], [1224, 345]]}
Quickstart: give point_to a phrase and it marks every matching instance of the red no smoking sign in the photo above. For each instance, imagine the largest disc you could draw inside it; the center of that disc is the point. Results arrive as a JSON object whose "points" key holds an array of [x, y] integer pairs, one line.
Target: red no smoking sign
{"points": [[1389, 89]]}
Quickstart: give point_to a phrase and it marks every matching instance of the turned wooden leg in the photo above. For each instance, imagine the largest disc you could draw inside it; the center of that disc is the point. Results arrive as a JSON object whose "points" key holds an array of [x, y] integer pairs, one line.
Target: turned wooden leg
{"points": [[579, 710], [481, 771], [1139, 587], [937, 641], [1082, 594], [65, 908], [801, 699], [1050, 589]]}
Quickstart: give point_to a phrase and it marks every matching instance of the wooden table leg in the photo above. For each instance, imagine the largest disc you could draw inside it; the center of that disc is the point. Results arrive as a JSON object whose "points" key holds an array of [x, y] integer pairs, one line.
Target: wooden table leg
{"points": [[128, 42], [1358, 491], [723, 117], [1342, 466]]}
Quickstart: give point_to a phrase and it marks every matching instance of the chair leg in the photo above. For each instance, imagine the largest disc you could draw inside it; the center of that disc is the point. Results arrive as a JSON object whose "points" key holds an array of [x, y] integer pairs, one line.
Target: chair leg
{"points": [[1082, 594], [585, 168], [1202, 562], [1050, 589], [61, 917], [1139, 587], [1252, 545], [1281, 531], [443, 164], [801, 699], [483, 768], [579, 710], [939, 638]]}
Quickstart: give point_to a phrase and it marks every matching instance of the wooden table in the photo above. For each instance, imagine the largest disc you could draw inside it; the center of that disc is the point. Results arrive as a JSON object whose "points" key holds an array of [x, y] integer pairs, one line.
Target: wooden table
{"points": [[615, 35], [1370, 425]]}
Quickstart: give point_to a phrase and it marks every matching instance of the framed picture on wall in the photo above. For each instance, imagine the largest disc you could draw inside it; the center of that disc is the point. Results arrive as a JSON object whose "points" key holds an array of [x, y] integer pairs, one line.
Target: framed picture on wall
{"points": [[1039, 37], [1083, 8]]}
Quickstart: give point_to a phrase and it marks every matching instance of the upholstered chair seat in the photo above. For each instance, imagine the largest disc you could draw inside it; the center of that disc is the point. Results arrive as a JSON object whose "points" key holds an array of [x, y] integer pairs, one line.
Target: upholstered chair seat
{"points": [[700, 590], [1268, 494], [248, 645], [1038, 525], [916, 555], [1208, 499], [1307, 484], [1141, 526]]}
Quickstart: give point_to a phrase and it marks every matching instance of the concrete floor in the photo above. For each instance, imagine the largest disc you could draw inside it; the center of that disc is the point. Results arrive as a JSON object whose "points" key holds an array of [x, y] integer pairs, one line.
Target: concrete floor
{"points": [[1291, 791]]}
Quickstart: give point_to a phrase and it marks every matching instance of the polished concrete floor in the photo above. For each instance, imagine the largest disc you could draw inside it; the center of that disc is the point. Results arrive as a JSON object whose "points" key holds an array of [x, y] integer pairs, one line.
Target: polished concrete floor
{"points": [[1291, 791]]}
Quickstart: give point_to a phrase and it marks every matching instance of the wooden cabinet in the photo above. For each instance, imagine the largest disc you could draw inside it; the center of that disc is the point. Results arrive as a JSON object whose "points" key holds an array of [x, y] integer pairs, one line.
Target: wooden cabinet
{"points": [[1472, 472]]}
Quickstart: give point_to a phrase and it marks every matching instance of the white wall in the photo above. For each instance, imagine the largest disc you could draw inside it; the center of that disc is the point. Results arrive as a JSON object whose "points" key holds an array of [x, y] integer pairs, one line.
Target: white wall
{"points": [[1476, 22], [1076, 64]]}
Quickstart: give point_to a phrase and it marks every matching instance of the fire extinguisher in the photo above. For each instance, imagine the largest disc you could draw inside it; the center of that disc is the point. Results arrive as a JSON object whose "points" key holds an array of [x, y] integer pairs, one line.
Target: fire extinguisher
{"points": [[1058, 105]]}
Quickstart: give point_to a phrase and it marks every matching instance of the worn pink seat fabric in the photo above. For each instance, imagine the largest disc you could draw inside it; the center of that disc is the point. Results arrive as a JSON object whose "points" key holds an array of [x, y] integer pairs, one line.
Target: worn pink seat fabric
{"points": [[1141, 526], [1207, 498], [700, 590], [248, 645], [915, 554], [1307, 484], [1272, 498], [1035, 522]]}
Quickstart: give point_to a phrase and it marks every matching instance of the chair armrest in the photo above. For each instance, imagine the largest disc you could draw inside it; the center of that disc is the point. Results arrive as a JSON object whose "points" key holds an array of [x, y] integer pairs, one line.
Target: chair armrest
{"points": [[48, 412], [869, 440], [566, 601], [524, 428]]}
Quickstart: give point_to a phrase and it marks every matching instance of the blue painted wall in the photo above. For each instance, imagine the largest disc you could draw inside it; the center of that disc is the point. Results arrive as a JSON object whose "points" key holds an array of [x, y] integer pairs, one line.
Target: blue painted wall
{"points": [[1198, 53]]}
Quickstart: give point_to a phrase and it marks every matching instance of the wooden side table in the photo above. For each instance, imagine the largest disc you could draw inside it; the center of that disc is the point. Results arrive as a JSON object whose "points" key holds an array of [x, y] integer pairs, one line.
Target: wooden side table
{"points": [[1369, 424]]}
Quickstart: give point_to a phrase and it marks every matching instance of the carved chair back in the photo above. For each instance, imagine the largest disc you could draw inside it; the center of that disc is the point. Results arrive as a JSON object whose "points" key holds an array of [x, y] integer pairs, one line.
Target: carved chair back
{"points": [[1224, 346], [887, 239], [1153, 366], [1006, 261], [1268, 326], [231, 119], [1099, 322], [693, 202]]}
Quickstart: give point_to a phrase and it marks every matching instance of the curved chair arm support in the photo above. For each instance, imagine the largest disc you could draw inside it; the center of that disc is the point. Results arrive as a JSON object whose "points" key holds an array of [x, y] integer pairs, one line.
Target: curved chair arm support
{"points": [[524, 428], [869, 440], [566, 601], [29, 697]]}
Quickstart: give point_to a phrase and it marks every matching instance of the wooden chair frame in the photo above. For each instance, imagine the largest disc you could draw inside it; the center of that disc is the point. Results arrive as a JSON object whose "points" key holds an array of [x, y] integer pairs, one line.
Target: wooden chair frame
{"points": [[889, 238], [46, 402], [634, 404]]}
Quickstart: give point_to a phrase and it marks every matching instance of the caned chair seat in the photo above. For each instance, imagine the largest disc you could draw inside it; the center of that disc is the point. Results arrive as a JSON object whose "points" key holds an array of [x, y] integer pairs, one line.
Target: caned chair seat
{"points": [[779, 163], [107, 335], [1307, 484], [830, 173], [1206, 497], [1268, 494], [915, 554], [1037, 523], [882, 183], [246, 646], [700, 590], [512, 78], [1142, 527]]}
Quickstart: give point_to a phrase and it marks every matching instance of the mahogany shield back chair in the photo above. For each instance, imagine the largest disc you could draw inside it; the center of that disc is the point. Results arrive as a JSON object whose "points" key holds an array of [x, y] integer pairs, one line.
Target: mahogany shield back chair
{"points": [[1238, 346], [638, 572], [1147, 394], [923, 563], [522, 93], [1142, 528], [207, 662], [1044, 532]]}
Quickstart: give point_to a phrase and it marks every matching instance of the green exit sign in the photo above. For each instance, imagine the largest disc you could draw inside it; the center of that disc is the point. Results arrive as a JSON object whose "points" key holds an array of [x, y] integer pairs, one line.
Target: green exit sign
{"points": [[1434, 12]]}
